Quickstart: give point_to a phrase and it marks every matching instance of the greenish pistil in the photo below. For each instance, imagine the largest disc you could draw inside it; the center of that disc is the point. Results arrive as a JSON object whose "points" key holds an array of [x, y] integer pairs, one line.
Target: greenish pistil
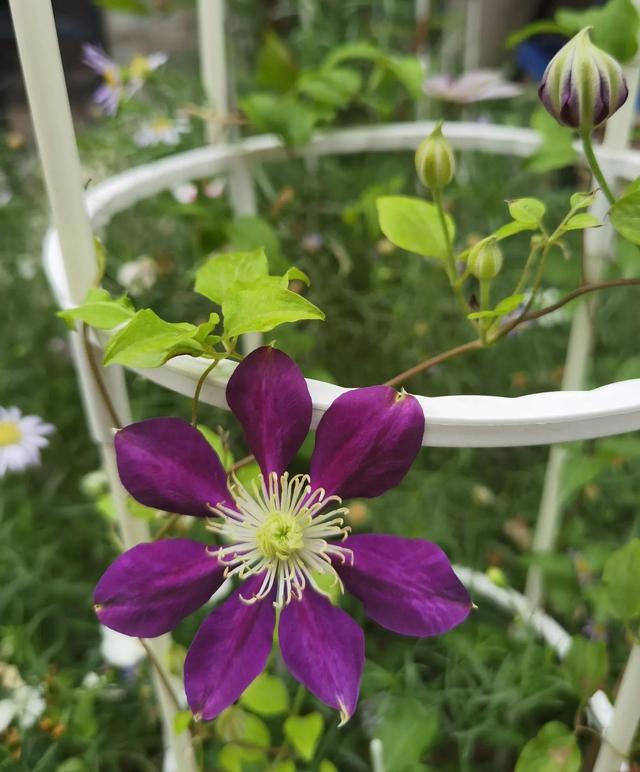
{"points": [[280, 536]]}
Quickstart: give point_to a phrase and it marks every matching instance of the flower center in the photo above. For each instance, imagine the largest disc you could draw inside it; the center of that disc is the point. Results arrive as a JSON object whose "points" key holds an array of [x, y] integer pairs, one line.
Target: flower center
{"points": [[282, 531], [280, 536], [10, 433], [111, 77], [139, 67]]}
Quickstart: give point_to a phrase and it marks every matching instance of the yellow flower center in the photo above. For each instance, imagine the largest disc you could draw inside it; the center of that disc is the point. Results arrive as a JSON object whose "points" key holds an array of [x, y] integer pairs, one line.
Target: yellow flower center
{"points": [[110, 77], [280, 536], [10, 433], [139, 67]]}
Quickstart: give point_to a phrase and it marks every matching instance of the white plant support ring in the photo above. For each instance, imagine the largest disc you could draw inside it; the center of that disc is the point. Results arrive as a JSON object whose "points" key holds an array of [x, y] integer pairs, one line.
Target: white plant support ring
{"points": [[453, 421]]}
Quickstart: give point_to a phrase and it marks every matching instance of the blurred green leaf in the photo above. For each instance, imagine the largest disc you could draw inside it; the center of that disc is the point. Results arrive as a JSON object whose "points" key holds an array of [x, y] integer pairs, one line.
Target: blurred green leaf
{"points": [[276, 69], [625, 216], [553, 749], [528, 211], [285, 116], [215, 440], [181, 721], [621, 578], [250, 233], [304, 732], [335, 87], [413, 224], [615, 26], [267, 696], [556, 150], [585, 666], [409, 728], [580, 221], [582, 200]]}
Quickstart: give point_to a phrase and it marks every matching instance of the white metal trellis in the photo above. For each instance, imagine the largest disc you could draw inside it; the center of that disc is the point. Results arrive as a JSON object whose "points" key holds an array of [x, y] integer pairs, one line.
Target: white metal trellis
{"points": [[472, 421]]}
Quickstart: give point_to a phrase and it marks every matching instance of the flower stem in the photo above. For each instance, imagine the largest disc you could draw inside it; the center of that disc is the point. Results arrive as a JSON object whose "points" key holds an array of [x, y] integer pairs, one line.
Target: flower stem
{"points": [[595, 166], [196, 395]]}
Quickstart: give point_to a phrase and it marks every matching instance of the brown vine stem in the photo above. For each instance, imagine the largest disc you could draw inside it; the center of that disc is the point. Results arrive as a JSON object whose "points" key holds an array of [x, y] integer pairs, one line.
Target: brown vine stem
{"points": [[474, 345], [161, 674], [97, 376]]}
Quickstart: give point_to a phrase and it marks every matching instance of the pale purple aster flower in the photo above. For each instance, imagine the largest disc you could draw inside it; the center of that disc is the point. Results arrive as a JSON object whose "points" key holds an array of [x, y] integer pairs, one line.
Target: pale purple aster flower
{"points": [[312, 242], [185, 193], [109, 94], [215, 187], [21, 439], [472, 86], [278, 536]]}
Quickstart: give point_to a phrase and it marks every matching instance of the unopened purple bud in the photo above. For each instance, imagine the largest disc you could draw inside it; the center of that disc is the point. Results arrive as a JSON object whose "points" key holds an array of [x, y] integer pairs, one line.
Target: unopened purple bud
{"points": [[582, 85]]}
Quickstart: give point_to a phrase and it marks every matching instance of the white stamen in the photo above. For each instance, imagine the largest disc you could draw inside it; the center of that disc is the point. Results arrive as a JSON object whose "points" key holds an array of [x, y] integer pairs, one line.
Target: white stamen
{"points": [[279, 530]]}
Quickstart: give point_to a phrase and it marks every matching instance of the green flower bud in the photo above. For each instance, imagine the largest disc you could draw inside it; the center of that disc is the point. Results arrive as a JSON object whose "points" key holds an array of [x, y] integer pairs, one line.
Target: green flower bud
{"points": [[582, 85], [435, 163], [485, 259]]}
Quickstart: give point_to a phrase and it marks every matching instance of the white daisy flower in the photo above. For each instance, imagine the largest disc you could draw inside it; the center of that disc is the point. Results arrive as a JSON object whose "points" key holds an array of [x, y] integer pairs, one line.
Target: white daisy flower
{"points": [[470, 87], [21, 438], [138, 276], [24, 705], [120, 650], [161, 131], [185, 193]]}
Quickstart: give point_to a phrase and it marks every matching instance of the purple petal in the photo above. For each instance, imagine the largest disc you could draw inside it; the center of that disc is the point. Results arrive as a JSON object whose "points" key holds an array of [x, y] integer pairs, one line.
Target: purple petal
{"points": [[229, 651], [151, 587], [405, 585], [324, 650], [269, 396], [366, 442], [107, 98], [96, 59], [167, 464]]}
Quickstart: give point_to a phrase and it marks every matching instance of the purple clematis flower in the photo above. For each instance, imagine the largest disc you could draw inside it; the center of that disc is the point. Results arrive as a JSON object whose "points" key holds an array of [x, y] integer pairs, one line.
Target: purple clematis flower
{"points": [[278, 536]]}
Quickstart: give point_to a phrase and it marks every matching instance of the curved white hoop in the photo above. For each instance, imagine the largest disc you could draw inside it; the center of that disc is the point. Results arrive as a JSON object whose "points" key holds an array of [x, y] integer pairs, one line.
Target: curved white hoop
{"points": [[452, 421]]}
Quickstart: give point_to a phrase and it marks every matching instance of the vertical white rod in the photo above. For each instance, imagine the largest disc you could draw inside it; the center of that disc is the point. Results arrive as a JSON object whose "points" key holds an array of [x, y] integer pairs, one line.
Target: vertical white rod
{"points": [[37, 41], [597, 243], [51, 115], [619, 734], [453, 36], [376, 753], [473, 33], [213, 71]]}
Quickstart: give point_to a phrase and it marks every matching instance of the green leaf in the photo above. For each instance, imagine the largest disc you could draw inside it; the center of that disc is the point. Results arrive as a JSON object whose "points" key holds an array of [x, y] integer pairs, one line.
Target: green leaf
{"points": [[504, 307], [327, 766], [264, 305], [304, 732], [585, 666], [580, 221], [276, 68], [285, 116], [149, 341], [357, 49], [541, 27], [615, 26], [625, 216], [553, 749], [511, 228], [621, 578], [409, 71], [181, 721], [252, 731], [99, 310], [248, 473], [137, 7], [556, 150], [284, 766], [295, 274], [249, 233], [267, 696], [409, 728], [528, 211], [216, 277], [582, 200], [101, 259], [413, 224], [221, 450], [334, 88]]}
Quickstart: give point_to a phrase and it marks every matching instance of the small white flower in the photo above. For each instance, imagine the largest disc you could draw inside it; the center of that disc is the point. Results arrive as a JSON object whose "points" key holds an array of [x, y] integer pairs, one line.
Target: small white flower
{"points": [[186, 193], [6, 194], [25, 705], [27, 267], [472, 86], [120, 650], [21, 438], [546, 298], [215, 188], [161, 131], [138, 276]]}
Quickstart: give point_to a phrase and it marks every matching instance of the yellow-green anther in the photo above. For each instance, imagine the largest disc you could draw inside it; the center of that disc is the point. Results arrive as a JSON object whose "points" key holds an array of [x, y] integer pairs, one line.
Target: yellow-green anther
{"points": [[582, 85], [485, 259], [435, 163]]}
